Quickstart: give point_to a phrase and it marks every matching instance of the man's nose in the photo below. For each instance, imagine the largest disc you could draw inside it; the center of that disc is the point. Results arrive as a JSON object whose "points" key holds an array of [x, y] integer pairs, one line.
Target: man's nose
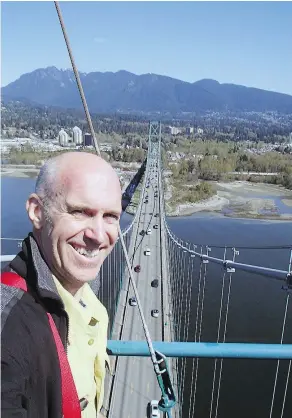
{"points": [[96, 231]]}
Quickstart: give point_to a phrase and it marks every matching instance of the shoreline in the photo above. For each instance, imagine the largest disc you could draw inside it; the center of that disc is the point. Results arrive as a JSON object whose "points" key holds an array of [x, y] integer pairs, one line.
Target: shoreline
{"points": [[238, 199], [20, 172]]}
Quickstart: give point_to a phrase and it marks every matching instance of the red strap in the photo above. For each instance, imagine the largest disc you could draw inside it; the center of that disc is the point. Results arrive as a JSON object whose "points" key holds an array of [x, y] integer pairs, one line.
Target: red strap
{"points": [[12, 279], [70, 401], [71, 405]]}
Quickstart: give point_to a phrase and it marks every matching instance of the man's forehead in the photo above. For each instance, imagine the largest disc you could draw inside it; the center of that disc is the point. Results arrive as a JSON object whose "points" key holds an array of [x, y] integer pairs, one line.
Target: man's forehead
{"points": [[93, 187], [81, 174], [98, 199]]}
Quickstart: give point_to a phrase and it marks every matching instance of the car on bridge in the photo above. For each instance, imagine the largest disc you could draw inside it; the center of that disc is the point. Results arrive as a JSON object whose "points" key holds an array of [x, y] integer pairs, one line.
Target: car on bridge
{"points": [[155, 226], [147, 251], [153, 409], [142, 232], [133, 301], [137, 269], [148, 231], [155, 313], [155, 283]]}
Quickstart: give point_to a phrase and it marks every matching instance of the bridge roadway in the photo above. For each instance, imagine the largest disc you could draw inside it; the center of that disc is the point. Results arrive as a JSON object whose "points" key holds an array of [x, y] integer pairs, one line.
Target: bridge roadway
{"points": [[135, 383]]}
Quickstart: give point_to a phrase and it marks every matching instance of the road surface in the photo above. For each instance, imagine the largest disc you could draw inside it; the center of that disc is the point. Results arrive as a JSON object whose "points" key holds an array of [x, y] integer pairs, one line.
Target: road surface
{"points": [[135, 381]]}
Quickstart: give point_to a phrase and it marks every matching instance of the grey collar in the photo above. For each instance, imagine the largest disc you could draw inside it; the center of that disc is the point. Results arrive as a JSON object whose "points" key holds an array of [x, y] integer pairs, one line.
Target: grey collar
{"points": [[43, 274]]}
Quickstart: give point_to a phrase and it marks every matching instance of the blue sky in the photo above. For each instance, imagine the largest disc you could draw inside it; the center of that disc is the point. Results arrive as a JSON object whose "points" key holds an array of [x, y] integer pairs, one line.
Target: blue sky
{"points": [[248, 43]]}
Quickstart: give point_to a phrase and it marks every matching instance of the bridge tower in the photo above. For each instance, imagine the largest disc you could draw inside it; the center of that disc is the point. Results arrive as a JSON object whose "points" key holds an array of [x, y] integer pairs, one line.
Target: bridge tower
{"points": [[154, 131]]}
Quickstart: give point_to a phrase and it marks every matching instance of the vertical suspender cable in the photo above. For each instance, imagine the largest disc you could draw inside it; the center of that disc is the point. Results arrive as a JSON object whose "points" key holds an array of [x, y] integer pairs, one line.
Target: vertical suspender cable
{"points": [[187, 313], [281, 342], [194, 387], [218, 336], [278, 361], [224, 335], [289, 366]]}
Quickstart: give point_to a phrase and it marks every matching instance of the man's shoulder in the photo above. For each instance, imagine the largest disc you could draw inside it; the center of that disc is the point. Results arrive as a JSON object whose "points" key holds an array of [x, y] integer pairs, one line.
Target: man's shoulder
{"points": [[18, 307], [16, 316], [9, 297], [22, 320]]}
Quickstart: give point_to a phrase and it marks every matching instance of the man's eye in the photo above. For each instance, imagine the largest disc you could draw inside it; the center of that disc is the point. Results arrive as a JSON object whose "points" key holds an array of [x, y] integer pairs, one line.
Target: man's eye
{"points": [[77, 212], [111, 215]]}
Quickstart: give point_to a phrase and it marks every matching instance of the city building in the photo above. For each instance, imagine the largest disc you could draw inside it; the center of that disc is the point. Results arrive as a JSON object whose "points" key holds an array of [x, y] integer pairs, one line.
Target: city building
{"points": [[87, 140], [200, 131], [189, 130], [173, 130], [77, 136], [63, 138]]}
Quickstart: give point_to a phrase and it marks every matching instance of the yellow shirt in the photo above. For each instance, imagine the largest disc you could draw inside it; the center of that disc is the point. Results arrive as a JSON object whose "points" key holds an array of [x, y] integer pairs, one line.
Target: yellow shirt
{"points": [[88, 322]]}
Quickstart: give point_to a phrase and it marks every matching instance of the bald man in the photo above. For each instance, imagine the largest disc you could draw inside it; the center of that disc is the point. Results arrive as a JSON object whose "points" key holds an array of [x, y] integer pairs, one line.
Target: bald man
{"points": [[75, 213]]}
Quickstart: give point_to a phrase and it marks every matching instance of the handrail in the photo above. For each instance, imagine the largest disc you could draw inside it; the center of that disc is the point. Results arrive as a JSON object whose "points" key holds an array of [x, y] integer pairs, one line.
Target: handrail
{"points": [[210, 350], [4, 258], [283, 275]]}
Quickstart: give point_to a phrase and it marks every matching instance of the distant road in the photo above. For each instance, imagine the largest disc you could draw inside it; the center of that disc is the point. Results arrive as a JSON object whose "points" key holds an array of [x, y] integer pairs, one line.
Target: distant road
{"points": [[135, 381]]}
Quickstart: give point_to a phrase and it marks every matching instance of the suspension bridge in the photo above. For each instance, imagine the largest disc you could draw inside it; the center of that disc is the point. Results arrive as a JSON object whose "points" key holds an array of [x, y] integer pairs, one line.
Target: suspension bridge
{"points": [[168, 348], [169, 281]]}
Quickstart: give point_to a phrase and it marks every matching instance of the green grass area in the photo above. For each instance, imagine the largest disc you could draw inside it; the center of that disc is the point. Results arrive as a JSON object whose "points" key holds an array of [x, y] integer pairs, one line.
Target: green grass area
{"points": [[28, 155], [218, 167], [186, 193]]}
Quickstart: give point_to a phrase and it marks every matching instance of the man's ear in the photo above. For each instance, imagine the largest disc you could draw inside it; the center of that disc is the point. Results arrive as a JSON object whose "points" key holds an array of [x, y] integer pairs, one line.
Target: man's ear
{"points": [[35, 211]]}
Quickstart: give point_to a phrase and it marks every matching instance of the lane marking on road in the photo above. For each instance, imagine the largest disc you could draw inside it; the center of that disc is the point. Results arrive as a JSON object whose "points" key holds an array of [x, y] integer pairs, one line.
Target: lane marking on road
{"points": [[148, 387], [132, 388]]}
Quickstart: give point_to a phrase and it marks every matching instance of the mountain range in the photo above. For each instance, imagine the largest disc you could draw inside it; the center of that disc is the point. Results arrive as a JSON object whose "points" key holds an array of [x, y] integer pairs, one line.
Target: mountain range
{"points": [[127, 92]]}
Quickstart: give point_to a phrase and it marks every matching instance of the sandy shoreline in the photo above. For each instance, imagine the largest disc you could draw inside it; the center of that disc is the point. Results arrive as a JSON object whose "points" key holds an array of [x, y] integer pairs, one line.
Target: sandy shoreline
{"points": [[241, 199], [214, 203], [20, 172], [287, 202]]}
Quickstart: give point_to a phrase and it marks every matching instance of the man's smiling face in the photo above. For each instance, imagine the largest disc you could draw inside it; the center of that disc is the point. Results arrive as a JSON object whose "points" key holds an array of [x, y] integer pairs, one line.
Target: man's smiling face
{"points": [[81, 226]]}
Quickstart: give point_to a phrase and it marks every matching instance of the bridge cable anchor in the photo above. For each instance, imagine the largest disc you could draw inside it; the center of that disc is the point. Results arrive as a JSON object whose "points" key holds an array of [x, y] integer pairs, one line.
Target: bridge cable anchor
{"points": [[288, 285], [208, 249], [168, 399], [194, 247], [228, 268]]}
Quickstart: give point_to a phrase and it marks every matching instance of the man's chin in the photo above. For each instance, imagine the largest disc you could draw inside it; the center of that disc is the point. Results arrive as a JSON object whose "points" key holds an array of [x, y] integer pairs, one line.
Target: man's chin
{"points": [[83, 276]]}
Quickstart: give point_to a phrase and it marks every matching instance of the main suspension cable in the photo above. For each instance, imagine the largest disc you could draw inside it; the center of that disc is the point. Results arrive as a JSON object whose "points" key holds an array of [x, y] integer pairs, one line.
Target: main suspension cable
{"points": [[80, 88], [76, 73]]}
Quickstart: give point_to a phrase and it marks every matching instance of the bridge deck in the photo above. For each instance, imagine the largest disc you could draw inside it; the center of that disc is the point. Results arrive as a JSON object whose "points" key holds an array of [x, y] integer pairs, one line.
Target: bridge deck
{"points": [[134, 383]]}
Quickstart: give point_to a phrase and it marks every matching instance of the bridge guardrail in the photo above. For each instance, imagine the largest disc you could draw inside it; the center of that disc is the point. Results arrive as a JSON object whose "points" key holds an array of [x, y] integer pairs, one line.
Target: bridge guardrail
{"points": [[283, 275]]}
